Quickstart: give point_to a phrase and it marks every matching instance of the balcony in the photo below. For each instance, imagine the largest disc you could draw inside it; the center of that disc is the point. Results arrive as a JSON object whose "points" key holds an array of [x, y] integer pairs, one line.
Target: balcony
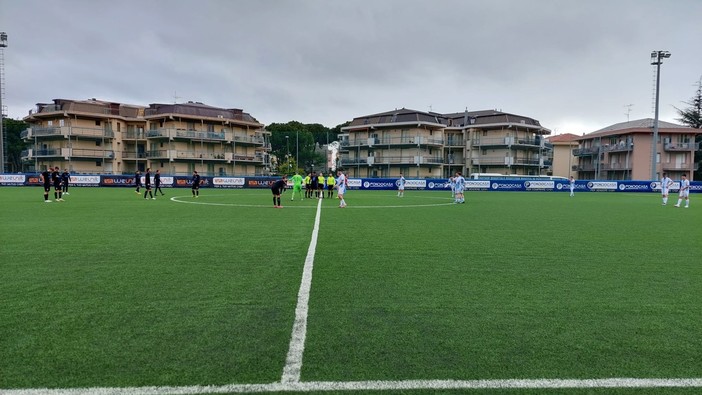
{"points": [[621, 147], [67, 132], [134, 134], [393, 141], [526, 143], [454, 142], [586, 151], [91, 153], [615, 166], [198, 135], [681, 146], [131, 155], [681, 166], [393, 160]]}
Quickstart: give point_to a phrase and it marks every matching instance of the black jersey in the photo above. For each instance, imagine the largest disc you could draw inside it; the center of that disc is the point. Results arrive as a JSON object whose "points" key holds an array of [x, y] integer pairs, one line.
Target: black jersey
{"points": [[157, 179], [56, 178], [279, 185], [65, 177], [147, 179], [46, 177], [196, 181]]}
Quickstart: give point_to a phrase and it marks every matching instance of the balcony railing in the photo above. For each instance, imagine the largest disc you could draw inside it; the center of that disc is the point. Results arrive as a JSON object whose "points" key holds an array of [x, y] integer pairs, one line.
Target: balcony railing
{"points": [[620, 147], [512, 141], [586, 151], [393, 160], [615, 166], [414, 140], [91, 153], [227, 136], [680, 166], [133, 155], [681, 146], [67, 131]]}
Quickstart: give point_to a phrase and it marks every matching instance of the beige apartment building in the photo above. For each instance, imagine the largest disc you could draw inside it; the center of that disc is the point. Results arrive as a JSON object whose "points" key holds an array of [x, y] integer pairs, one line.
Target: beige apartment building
{"points": [[564, 162], [432, 145], [623, 151], [99, 137]]}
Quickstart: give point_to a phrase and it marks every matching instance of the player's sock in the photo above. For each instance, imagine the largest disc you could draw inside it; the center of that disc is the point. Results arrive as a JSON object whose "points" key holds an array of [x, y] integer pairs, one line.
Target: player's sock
{"points": [[679, 201], [278, 201], [274, 204], [60, 195]]}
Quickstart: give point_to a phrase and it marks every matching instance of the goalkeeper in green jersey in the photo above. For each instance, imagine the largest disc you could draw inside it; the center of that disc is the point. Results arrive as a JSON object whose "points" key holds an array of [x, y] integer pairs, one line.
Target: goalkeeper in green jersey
{"points": [[297, 186]]}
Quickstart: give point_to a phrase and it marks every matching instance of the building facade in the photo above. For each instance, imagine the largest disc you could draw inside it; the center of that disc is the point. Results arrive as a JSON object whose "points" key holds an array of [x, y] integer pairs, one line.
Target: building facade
{"points": [[623, 151], [427, 144], [98, 137], [564, 162]]}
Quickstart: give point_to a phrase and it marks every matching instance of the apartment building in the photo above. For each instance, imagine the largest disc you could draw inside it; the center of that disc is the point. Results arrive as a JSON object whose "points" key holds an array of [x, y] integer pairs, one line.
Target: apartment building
{"points": [[623, 151], [428, 144], [564, 162], [99, 137]]}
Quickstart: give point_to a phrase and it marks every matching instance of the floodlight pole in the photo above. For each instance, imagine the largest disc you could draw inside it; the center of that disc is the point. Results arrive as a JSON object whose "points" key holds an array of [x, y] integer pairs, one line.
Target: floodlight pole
{"points": [[656, 59], [3, 45]]}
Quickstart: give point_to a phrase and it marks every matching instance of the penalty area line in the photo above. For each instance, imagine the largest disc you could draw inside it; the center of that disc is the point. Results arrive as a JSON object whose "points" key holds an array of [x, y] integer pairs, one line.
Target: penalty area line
{"points": [[374, 385]]}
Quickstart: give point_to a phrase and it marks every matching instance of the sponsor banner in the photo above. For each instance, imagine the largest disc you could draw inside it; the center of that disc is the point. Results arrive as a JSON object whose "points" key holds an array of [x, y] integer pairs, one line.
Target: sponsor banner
{"points": [[85, 181], [13, 179], [355, 183], [379, 184], [260, 182], [602, 185], [482, 185], [419, 184], [565, 186], [441, 184], [694, 186], [187, 182], [228, 182], [116, 181], [635, 186], [539, 185], [506, 185]]}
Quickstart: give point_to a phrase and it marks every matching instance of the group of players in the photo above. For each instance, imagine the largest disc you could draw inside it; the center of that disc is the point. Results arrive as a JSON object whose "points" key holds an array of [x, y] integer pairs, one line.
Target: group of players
{"points": [[683, 192], [147, 183], [60, 181], [314, 186]]}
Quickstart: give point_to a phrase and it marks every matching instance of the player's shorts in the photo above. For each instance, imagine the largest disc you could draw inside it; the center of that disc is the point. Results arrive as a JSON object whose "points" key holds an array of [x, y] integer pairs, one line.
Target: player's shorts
{"points": [[664, 191], [458, 190], [57, 185], [297, 188], [330, 187], [321, 187], [47, 187], [684, 194], [276, 191], [401, 188], [342, 190]]}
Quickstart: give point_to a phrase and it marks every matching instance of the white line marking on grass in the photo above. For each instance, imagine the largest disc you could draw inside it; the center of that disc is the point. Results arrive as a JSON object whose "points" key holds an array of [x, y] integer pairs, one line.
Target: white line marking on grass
{"points": [[374, 386], [293, 362], [188, 201]]}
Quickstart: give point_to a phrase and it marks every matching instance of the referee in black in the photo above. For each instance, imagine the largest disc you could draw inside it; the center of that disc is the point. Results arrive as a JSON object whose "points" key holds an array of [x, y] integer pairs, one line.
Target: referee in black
{"points": [[277, 188], [196, 185]]}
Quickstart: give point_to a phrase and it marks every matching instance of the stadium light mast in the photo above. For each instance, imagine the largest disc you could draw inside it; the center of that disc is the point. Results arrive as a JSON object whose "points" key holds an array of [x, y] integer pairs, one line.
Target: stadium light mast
{"points": [[656, 59], [3, 148]]}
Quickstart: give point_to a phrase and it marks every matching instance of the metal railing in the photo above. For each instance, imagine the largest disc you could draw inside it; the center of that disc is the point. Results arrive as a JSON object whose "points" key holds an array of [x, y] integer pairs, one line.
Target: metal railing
{"points": [[91, 153], [681, 146], [205, 135], [414, 140]]}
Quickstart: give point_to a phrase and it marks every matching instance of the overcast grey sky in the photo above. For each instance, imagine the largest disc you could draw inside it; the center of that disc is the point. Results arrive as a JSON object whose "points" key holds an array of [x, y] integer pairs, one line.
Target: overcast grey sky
{"points": [[574, 65]]}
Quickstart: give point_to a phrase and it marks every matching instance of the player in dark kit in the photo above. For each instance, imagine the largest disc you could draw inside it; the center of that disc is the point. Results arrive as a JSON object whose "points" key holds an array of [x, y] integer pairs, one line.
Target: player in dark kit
{"points": [[65, 179], [196, 185], [137, 180], [56, 179], [314, 185], [157, 183], [147, 184], [45, 178], [277, 188]]}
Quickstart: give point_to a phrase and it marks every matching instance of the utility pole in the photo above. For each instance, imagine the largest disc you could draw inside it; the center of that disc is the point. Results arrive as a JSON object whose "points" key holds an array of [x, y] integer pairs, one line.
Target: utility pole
{"points": [[656, 59], [3, 141]]}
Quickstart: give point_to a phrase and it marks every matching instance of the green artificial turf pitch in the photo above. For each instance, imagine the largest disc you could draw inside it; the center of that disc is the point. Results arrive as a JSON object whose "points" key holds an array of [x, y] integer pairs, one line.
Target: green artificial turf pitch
{"points": [[108, 289]]}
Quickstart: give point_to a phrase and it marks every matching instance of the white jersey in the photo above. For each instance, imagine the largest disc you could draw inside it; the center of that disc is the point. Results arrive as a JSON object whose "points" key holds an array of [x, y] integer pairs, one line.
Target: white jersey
{"points": [[460, 183], [684, 188], [341, 183], [665, 185], [572, 185], [401, 183]]}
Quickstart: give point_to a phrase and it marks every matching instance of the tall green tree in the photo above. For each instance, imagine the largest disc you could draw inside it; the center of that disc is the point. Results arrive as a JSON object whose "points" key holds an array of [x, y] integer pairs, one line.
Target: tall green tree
{"points": [[692, 117], [12, 129]]}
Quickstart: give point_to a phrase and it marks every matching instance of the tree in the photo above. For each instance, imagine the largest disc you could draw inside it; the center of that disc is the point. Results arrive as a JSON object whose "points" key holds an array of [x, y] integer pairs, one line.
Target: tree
{"points": [[12, 129], [692, 117]]}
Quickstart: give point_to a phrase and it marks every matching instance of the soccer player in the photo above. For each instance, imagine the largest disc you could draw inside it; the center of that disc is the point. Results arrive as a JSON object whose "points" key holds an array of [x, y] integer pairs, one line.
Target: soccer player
{"points": [[45, 178], [65, 179], [196, 184], [297, 186], [157, 182], [452, 183], [571, 183], [460, 185], [137, 181], [56, 179], [666, 183], [320, 185], [331, 181], [277, 188], [684, 191], [401, 186], [147, 184], [308, 185], [341, 184], [314, 184]]}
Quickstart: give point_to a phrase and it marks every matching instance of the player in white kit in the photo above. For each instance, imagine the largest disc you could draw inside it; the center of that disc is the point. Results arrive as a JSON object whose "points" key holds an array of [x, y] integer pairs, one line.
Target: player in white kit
{"points": [[684, 192], [666, 183], [341, 184], [401, 186], [460, 185]]}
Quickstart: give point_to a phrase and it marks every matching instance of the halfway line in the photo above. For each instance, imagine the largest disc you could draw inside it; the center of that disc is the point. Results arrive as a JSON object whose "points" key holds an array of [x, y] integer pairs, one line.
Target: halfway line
{"points": [[293, 362]]}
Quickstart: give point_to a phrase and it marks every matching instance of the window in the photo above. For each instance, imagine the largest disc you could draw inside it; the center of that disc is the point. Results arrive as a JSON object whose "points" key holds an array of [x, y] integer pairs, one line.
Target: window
{"points": [[50, 123], [62, 122], [658, 157], [119, 127], [98, 163], [97, 122], [484, 132], [97, 143]]}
